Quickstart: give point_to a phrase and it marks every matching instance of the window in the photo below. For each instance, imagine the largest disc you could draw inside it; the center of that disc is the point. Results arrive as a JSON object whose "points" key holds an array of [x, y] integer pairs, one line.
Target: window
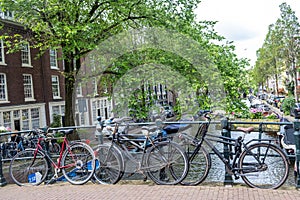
{"points": [[25, 55], [2, 58], [3, 88], [53, 59], [7, 119], [79, 90], [7, 15], [35, 117], [94, 86], [25, 119], [28, 87], [55, 87]]}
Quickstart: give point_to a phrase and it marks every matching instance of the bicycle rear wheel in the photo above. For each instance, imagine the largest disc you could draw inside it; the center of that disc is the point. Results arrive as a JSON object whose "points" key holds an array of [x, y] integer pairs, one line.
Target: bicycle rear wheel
{"points": [[263, 166], [27, 170], [166, 163], [110, 165], [199, 165], [78, 163]]}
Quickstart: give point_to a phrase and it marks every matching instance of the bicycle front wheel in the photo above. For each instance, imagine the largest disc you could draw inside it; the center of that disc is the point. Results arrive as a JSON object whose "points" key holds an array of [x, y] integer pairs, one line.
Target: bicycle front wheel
{"points": [[263, 166], [110, 166], [78, 163], [27, 168], [199, 165], [166, 163]]}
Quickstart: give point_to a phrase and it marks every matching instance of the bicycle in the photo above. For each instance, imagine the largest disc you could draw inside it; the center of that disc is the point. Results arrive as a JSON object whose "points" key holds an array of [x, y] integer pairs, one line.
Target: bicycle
{"points": [[76, 161], [258, 162], [164, 161]]}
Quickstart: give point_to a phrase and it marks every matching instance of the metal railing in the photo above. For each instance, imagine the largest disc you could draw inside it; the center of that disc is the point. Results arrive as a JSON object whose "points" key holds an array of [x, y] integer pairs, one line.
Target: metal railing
{"points": [[226, 128]]}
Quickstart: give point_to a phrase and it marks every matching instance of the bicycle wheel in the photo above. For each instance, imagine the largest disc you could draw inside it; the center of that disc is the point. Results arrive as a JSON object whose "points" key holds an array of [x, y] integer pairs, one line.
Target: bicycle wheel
{"points": [[199, 166], [78, 163], [166, 163], [26, 169], [110, 166], [263, 166]]}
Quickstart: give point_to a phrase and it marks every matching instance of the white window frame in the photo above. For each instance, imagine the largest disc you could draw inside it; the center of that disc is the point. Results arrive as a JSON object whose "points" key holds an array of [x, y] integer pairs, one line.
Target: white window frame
{"points": [[79, 90], [25, 52], [4, 85], [2, 53], [95, 86], [28, 86], [55, 87], [53, 59]]}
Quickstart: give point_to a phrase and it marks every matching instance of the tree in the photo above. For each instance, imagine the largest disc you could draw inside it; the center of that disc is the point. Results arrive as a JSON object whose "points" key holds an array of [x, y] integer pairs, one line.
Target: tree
{"points": [[269, 57], [280, 49], [77, 26], [289, 26], [227, 71]]}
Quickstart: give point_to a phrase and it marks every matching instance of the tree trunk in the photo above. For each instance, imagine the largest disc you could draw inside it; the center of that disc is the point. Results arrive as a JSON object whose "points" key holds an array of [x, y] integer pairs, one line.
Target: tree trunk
{"points": [[276, 84], [70, 95], [295, 80]]}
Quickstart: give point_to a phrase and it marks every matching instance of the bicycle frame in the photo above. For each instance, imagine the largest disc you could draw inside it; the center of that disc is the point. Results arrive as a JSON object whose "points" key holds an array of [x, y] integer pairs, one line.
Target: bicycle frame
{"points": [[231, 142], [124, 138], [57, 166]]}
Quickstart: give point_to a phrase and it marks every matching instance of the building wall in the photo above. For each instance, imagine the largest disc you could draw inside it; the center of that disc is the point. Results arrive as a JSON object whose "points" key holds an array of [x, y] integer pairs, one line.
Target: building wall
{"points": [[19, 113]]}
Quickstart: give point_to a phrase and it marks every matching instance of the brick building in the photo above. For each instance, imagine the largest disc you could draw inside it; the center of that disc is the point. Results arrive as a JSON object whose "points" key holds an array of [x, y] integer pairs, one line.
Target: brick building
{"points": [[31, 86]]}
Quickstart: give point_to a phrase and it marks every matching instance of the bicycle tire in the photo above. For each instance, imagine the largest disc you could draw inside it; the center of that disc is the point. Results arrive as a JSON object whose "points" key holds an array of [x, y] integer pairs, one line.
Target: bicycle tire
{"points": [[272, 173], [24, 170], [199, 166], [78, 163], [167, 163], [110, 167]]}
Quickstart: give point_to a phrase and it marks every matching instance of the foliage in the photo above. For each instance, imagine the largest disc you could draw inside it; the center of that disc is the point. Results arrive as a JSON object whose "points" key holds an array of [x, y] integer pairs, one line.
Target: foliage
{"points": [[56, 121], [272, 116], [4, 129], [280, 50], [287, 104], [78, 26], [255, 114]]}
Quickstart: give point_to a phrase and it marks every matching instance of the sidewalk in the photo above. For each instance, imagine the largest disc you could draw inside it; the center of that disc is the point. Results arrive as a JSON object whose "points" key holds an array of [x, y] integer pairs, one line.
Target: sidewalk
{"points": [[92, 191]]}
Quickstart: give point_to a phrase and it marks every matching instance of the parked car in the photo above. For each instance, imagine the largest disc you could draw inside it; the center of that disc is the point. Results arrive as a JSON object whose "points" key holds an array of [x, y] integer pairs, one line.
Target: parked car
{"points": [[263, 96], [270, 100], [295, 110]]}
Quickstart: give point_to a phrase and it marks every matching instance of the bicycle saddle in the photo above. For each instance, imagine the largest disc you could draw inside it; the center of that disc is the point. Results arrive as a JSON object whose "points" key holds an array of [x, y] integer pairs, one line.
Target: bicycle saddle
{"points": [[245, 130]]}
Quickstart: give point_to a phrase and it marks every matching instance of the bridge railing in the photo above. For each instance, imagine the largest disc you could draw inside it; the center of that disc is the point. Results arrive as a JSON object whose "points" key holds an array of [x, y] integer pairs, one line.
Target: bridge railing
{"points": [[226, 127]]}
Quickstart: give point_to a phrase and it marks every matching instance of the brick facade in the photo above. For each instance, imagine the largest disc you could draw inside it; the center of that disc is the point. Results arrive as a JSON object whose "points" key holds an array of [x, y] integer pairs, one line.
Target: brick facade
{"points": [[17, 112]]}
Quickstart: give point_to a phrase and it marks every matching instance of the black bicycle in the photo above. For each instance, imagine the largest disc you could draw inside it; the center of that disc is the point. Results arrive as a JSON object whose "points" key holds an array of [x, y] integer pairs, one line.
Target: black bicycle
{"points": [[150, 154], [258, 162]]}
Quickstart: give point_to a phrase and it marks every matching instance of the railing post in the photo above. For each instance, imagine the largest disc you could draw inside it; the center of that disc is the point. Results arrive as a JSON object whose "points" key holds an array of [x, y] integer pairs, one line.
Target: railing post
{"points": [[297, 143], [226, 133], [2, 178]]}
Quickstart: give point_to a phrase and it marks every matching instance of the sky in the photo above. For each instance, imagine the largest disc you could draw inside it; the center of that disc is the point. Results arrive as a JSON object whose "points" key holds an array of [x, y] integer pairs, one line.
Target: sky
{"points": [[245, 22]]}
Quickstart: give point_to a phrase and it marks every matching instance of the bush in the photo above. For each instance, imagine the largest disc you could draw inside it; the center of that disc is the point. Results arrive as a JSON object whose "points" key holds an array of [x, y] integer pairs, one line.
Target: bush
{"points": [[56, 121], [287, 104]]}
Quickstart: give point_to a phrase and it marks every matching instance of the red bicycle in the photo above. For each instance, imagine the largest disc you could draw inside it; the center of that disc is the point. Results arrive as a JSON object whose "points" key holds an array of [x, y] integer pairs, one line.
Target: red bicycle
{"points": [[76, 161]]}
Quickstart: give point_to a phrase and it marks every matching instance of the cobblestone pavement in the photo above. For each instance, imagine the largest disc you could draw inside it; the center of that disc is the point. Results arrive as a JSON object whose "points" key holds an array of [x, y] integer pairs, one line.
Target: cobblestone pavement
{"points": [[92, 191]]}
